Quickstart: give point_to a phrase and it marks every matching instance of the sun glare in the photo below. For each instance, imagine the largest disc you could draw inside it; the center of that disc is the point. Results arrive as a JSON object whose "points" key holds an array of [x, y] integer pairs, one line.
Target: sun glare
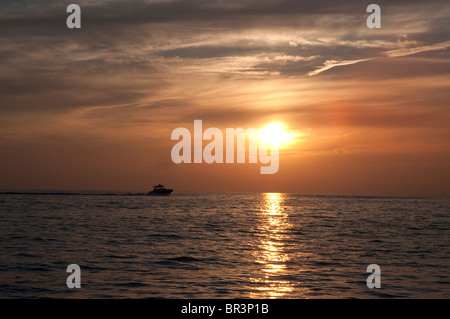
{"points": [[274, 133]]}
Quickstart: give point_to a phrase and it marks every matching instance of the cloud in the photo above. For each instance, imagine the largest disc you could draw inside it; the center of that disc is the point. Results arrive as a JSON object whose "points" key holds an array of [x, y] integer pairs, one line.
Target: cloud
{"points": [[164, 55], [329, 64], [414, 50]]}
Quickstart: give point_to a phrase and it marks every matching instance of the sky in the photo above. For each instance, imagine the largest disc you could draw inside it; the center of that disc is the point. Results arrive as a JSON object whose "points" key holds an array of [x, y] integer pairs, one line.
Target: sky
{"points": [[94, 108]]}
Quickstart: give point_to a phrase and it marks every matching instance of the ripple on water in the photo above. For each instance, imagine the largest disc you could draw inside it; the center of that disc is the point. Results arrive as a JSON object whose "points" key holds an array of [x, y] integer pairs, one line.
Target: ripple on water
{"points": [[233, 245]]}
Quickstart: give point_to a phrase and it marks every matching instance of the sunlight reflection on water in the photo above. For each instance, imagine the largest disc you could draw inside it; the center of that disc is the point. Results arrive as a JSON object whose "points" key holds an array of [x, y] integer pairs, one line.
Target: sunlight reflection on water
{"points": [[271, 254]]}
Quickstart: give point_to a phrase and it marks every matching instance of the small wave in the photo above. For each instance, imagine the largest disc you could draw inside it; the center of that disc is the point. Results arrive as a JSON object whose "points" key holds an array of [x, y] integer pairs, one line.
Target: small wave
{"points": [[38, 268], [26, 255], [131, 284], [122, 256], [94, 268], [165, 236], [184, 259]]}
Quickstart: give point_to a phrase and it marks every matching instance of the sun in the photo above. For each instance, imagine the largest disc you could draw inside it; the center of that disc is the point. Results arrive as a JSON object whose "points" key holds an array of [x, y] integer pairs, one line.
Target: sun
{"points": [[274, 134]]}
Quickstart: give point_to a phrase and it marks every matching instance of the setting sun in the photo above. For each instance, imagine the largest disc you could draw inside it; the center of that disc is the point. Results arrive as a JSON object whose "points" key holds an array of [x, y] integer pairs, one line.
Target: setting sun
{"points": [[274, 133]]}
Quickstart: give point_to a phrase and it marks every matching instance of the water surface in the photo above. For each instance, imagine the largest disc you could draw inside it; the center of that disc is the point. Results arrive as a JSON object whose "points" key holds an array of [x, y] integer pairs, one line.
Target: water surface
{"points": [[220, 245]]}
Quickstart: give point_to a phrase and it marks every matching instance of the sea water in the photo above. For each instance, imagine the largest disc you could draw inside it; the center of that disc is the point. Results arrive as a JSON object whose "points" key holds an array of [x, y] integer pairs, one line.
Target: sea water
{"points": [[223, 245]]}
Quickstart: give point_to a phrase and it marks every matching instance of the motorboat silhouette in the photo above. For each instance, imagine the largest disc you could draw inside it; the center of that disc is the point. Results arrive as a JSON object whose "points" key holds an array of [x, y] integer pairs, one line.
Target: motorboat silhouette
{"points": [[160, 190]]}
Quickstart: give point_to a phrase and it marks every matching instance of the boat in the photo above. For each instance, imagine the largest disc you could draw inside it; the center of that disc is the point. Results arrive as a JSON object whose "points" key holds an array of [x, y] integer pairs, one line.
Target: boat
{"points": [[160, 190]]}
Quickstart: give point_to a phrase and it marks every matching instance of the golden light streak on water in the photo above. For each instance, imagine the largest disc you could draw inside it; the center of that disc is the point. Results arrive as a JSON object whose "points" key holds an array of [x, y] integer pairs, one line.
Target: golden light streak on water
{"points": [[270, 254]]}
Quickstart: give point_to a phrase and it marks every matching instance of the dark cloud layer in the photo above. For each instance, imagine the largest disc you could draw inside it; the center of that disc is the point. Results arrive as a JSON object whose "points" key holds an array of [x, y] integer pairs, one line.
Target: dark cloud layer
{"points": [[155, 40]]}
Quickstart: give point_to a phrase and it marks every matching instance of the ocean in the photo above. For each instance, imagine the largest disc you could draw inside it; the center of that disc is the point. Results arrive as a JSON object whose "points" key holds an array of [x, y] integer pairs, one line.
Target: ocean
{"points": [[223, 245]]}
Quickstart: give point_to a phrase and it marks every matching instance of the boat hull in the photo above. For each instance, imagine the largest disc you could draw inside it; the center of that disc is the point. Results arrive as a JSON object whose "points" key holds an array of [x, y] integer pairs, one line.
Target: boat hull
{"points": [[163, 192]]}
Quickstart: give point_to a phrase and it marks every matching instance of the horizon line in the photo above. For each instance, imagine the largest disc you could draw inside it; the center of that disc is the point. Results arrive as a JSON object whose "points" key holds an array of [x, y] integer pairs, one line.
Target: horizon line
{"points": [[140, 193]]}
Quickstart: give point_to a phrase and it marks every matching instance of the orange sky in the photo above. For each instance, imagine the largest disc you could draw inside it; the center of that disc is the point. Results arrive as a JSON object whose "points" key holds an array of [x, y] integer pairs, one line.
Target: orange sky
{"points": [[94, 109]]}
